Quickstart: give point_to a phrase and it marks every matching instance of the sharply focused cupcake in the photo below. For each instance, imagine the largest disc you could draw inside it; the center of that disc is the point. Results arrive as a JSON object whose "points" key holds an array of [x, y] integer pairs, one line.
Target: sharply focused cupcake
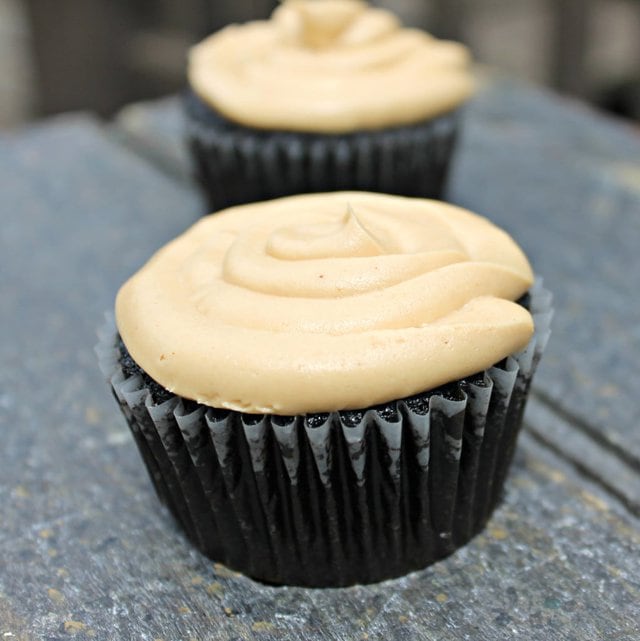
{"points": [[327, 389], [324, 96]]}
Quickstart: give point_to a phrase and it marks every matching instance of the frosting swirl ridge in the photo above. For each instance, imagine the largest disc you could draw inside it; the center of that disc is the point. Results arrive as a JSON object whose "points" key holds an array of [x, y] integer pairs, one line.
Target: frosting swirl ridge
{"points": [[326, 302], [329, 66]]}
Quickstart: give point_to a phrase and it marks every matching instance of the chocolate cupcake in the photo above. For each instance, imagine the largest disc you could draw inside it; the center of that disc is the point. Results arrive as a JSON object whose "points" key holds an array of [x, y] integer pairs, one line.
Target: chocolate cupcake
{"points": [[326, 95], [327, 389]]}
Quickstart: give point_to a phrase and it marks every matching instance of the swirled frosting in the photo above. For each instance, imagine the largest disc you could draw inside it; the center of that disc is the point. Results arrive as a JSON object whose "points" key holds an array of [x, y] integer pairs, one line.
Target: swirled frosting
{"points": [[326, 302], [329, 66]]}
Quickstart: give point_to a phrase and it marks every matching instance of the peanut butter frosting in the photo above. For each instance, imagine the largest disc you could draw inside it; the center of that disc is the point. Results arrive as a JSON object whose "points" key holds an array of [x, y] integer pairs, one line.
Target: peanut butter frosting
{"points": [[329, 66], [327, 302]]}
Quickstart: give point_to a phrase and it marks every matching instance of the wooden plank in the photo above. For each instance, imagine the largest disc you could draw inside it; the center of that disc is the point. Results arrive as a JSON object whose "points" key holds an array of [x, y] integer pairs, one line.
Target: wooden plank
{"points": [[616, 473], [87, 552]]}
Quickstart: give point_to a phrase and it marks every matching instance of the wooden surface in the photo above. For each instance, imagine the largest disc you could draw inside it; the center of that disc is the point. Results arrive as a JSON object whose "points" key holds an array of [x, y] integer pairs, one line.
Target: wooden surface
{"points": [[87, 553]]}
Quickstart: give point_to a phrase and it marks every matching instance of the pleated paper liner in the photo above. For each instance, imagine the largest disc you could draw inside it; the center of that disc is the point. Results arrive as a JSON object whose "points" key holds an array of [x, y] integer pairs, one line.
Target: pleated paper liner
{"points": [[237, 165], [333, 499]]}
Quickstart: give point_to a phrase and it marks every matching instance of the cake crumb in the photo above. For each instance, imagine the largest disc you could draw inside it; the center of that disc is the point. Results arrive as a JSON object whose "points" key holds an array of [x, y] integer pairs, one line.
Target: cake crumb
{"points": [[263, 626], [55, 595], [91, 415], [215, 588], [73, 627], [498, 533], [21, 492], [595, 501], [224, 571]]}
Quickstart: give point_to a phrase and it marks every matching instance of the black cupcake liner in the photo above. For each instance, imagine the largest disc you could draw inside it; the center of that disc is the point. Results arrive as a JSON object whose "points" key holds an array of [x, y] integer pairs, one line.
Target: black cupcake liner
{"points": [[237, 165], [333, 499]]}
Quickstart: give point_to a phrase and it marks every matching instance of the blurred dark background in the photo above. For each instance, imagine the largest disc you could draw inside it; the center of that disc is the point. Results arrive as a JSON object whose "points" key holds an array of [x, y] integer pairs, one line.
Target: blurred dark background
{"points": [[61, 55]]}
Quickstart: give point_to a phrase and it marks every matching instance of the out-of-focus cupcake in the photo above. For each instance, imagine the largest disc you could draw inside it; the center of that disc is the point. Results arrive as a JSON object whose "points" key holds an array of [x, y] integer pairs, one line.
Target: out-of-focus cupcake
{"points": [[326, 95], [327, 389]]}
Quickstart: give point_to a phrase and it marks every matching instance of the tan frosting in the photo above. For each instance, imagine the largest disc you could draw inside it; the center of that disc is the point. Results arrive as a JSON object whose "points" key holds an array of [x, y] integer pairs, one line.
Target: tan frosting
{"points": [[326, 302], [329, 66]]}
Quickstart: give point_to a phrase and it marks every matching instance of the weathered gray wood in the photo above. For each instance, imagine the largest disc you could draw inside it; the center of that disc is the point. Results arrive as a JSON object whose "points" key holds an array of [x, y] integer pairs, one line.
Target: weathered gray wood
{"points": [[557, 432], [86, 551], [566, 182]]}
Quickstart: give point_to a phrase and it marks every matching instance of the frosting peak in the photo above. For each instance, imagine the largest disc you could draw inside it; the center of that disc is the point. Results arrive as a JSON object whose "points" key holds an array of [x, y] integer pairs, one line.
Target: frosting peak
{"points": [[347, 238], [326, 302], [319, 23], [320, 65]]}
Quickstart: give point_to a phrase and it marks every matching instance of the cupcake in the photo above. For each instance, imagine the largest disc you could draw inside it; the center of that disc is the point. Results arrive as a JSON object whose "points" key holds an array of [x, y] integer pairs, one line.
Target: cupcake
{"points": [[326, 95], [327, 389]]}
